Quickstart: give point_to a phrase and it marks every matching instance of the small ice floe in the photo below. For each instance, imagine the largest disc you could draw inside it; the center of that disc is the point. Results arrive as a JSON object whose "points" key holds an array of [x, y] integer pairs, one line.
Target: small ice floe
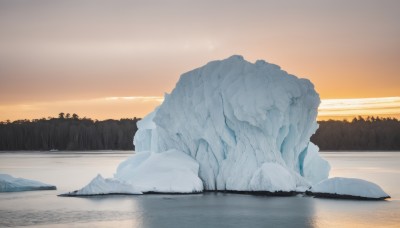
{"points": [[348, 188], [9, 183], [104, 186]]}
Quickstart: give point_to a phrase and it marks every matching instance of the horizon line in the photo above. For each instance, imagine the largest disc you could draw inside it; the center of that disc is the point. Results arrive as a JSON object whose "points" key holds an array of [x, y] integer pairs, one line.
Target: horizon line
{"points": [[329, 108]]}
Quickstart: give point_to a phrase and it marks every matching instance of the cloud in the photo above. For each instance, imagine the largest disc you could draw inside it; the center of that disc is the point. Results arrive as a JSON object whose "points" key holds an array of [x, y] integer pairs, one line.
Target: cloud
{"points": [[361, 106], [136, 98]]}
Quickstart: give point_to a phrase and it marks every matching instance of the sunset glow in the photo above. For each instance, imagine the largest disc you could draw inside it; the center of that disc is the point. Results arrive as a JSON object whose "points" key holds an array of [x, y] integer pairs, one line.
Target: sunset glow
{"points": [[115, 59], [350, 108], [139, 106], [227, 113]]}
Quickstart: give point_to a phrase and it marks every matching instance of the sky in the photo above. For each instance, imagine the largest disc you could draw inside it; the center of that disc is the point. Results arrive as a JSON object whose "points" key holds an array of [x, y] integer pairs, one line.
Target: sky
{"points": [[116, 59]]}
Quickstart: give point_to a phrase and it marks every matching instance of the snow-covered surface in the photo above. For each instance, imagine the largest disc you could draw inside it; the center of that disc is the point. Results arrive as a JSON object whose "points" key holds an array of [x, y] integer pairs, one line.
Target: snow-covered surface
{"points": [[272, 177], [168, 172], [342, 187], [146, 136], [99, 186], [12, 184], [171, 171], [314, 168]]}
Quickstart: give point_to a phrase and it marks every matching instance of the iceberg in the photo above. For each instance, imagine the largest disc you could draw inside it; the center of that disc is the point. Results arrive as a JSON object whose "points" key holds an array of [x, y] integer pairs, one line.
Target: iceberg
{"points": [[230, 125], [348, 188], [9, 183], [240, 121], [102, 186]]}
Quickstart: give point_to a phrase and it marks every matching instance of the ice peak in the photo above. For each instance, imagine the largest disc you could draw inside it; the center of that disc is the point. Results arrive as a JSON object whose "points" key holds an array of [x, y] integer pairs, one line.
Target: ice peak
{"points": [[236, 57], [261, 62]]}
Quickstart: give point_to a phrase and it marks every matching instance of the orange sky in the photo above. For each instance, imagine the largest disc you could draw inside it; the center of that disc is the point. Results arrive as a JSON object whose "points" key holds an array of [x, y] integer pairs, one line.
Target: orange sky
{"points": [[70, 56], [123, 107]]}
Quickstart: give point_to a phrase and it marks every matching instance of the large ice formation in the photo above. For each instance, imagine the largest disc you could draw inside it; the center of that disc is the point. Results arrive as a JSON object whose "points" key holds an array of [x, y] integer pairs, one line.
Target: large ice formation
{"points": [[340, 187], [9, 183], [229, 125], [240, 121]]}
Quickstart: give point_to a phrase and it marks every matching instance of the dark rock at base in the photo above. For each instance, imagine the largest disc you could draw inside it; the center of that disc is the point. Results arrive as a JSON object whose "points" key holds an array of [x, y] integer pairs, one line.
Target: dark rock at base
{"points": [[45, 188], [259, 193], [71, 194], [339, 196]]}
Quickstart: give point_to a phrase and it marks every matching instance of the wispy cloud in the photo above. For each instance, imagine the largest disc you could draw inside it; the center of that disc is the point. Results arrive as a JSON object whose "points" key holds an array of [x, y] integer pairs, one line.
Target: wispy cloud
{"points": [[135, 98], [361, 106]]}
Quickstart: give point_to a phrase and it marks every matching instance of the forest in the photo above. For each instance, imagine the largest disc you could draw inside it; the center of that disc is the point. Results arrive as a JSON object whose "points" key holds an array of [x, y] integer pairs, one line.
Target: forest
{"points": [[69, 132], [371, 133]]}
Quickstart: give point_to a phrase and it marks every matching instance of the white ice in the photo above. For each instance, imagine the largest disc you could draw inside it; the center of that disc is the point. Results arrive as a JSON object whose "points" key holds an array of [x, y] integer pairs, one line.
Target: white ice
{"points": [[168, 172], [272, 177], [12, 184], [313, 167], [171, 171], [341, 186], [99, 186]]}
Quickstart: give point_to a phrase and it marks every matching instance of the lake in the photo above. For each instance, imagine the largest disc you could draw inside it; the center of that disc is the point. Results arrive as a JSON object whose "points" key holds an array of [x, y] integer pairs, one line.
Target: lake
{"points": [[72, 170]]}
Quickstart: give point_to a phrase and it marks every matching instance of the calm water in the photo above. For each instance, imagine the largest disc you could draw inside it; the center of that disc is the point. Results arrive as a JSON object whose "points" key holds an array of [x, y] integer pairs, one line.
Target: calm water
{"points": [[72, 171]]}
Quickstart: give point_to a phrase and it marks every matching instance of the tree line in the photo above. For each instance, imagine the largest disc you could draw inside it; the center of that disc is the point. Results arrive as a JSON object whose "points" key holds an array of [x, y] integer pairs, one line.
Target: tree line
{"points": [[69, 132], [371, 133]]}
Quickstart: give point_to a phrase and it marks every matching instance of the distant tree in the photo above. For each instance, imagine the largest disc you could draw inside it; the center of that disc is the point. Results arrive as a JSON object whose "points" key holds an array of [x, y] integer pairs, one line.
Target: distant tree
{"points": [[372, 133], [61, 115], [67, 115], [57, 133]]}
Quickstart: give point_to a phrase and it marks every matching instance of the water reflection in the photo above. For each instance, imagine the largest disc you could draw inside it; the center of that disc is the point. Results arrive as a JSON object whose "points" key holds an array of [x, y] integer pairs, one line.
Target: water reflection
{"points": [[69, 172], [355, 213], [226, 210]]}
